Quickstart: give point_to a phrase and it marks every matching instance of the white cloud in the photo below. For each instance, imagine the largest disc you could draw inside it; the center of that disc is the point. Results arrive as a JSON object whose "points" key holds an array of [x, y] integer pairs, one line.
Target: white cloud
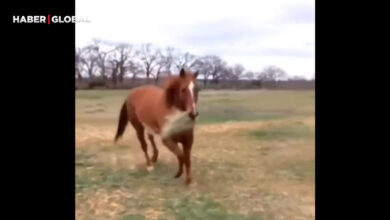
{"points": [[254, 33]]}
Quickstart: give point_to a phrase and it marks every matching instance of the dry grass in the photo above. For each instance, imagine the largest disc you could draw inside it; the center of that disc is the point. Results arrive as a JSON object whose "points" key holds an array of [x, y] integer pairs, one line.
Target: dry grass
{"points": [[258, 169]]}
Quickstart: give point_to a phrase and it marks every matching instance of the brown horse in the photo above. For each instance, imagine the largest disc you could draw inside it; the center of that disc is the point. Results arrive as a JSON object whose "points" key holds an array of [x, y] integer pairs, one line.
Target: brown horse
{"points": [[168, 112]]}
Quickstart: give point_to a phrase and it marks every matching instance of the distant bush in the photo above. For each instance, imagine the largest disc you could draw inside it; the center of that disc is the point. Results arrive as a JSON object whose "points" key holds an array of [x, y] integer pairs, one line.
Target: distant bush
{"points": [[97, 83], [127, 83]]}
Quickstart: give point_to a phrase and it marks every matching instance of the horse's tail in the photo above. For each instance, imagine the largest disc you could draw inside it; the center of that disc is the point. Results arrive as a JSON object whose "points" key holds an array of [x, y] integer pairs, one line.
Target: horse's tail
{"points": [[122, 122]]}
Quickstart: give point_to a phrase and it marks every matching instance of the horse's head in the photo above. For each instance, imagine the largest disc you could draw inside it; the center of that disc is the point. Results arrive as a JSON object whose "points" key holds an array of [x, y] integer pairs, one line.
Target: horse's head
{"points": [[182, 92]]}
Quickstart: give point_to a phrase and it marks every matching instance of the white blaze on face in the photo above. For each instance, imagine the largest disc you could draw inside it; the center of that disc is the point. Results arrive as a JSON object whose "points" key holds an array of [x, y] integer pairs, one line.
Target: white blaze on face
{"points": [[191, 88]]}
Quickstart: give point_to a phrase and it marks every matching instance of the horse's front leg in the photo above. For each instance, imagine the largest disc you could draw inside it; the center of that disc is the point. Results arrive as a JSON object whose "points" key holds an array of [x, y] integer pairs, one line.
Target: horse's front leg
{"points": [[155, 151], [174, 148], [187, 146]]}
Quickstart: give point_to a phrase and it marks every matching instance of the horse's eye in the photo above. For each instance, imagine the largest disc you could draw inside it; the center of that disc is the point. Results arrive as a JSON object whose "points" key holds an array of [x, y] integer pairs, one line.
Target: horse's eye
{"points": [[183, 90]]}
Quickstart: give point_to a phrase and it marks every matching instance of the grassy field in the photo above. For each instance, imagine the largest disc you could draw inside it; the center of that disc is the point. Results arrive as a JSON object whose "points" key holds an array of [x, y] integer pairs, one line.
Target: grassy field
{"points": [[253, 158]]}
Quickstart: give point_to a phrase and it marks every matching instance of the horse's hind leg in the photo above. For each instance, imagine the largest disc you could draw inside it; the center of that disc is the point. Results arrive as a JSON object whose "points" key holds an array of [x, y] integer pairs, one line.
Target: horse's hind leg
{"points": [[174, 148], [139, 128], [155, 151]]}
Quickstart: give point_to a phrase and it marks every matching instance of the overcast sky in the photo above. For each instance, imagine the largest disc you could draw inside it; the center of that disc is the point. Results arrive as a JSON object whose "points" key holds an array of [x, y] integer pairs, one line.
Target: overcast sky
{"points": [[254, 33]]}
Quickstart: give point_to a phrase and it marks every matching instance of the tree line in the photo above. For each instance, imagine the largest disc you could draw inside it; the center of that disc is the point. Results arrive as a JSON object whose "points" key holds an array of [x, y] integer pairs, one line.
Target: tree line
{"points": [[106, 62]]}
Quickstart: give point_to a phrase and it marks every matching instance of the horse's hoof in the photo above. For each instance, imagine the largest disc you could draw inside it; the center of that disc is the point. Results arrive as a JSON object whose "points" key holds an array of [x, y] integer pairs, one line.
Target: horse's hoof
{"points": [[178, 174], [188, 181], [150, 168]]}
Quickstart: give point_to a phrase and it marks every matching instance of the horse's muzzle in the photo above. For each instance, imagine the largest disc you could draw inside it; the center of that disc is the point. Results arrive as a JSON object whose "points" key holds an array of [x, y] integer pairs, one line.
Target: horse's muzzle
{"points": [[193, 115]]}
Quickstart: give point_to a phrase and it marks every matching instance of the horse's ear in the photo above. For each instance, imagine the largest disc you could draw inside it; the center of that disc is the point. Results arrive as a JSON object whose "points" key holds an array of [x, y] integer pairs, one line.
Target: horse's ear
{"points": [[196, 74], [182, 72]]}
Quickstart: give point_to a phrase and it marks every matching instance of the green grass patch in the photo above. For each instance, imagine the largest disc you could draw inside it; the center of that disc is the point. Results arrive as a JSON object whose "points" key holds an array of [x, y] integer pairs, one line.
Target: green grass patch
{"points": [[283, 133], [240, 174], [214, 106], [301, 171], [221, 114], [200, 208], [133, 217]]}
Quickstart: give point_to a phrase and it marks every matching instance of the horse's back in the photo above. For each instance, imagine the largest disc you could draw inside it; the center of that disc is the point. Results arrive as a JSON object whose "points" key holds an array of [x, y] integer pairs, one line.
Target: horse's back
{"points": [[145, 94]]}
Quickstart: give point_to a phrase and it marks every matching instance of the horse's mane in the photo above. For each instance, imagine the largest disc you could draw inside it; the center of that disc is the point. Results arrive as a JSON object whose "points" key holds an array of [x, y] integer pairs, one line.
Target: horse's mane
{"points": [[170, 82], [170, 86]]}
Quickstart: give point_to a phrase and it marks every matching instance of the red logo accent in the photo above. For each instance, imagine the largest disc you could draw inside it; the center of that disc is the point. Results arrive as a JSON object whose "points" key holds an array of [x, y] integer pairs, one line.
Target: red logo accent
{"points": [[48, 19]]}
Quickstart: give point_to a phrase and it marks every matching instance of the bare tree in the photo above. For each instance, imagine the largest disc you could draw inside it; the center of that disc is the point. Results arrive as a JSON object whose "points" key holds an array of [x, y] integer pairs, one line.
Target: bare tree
{"points": [[249, 75], [184, 60], [120, 60], [169, 58], [226, 72], [164, 63], [149, 58], [135, 68], [160, 64], [210, 67], [79, 63], [102, 58], [237, 71], [101, 62], [272, 73], [114, 71], [125, 61], [220, 69], [89, 59]]}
